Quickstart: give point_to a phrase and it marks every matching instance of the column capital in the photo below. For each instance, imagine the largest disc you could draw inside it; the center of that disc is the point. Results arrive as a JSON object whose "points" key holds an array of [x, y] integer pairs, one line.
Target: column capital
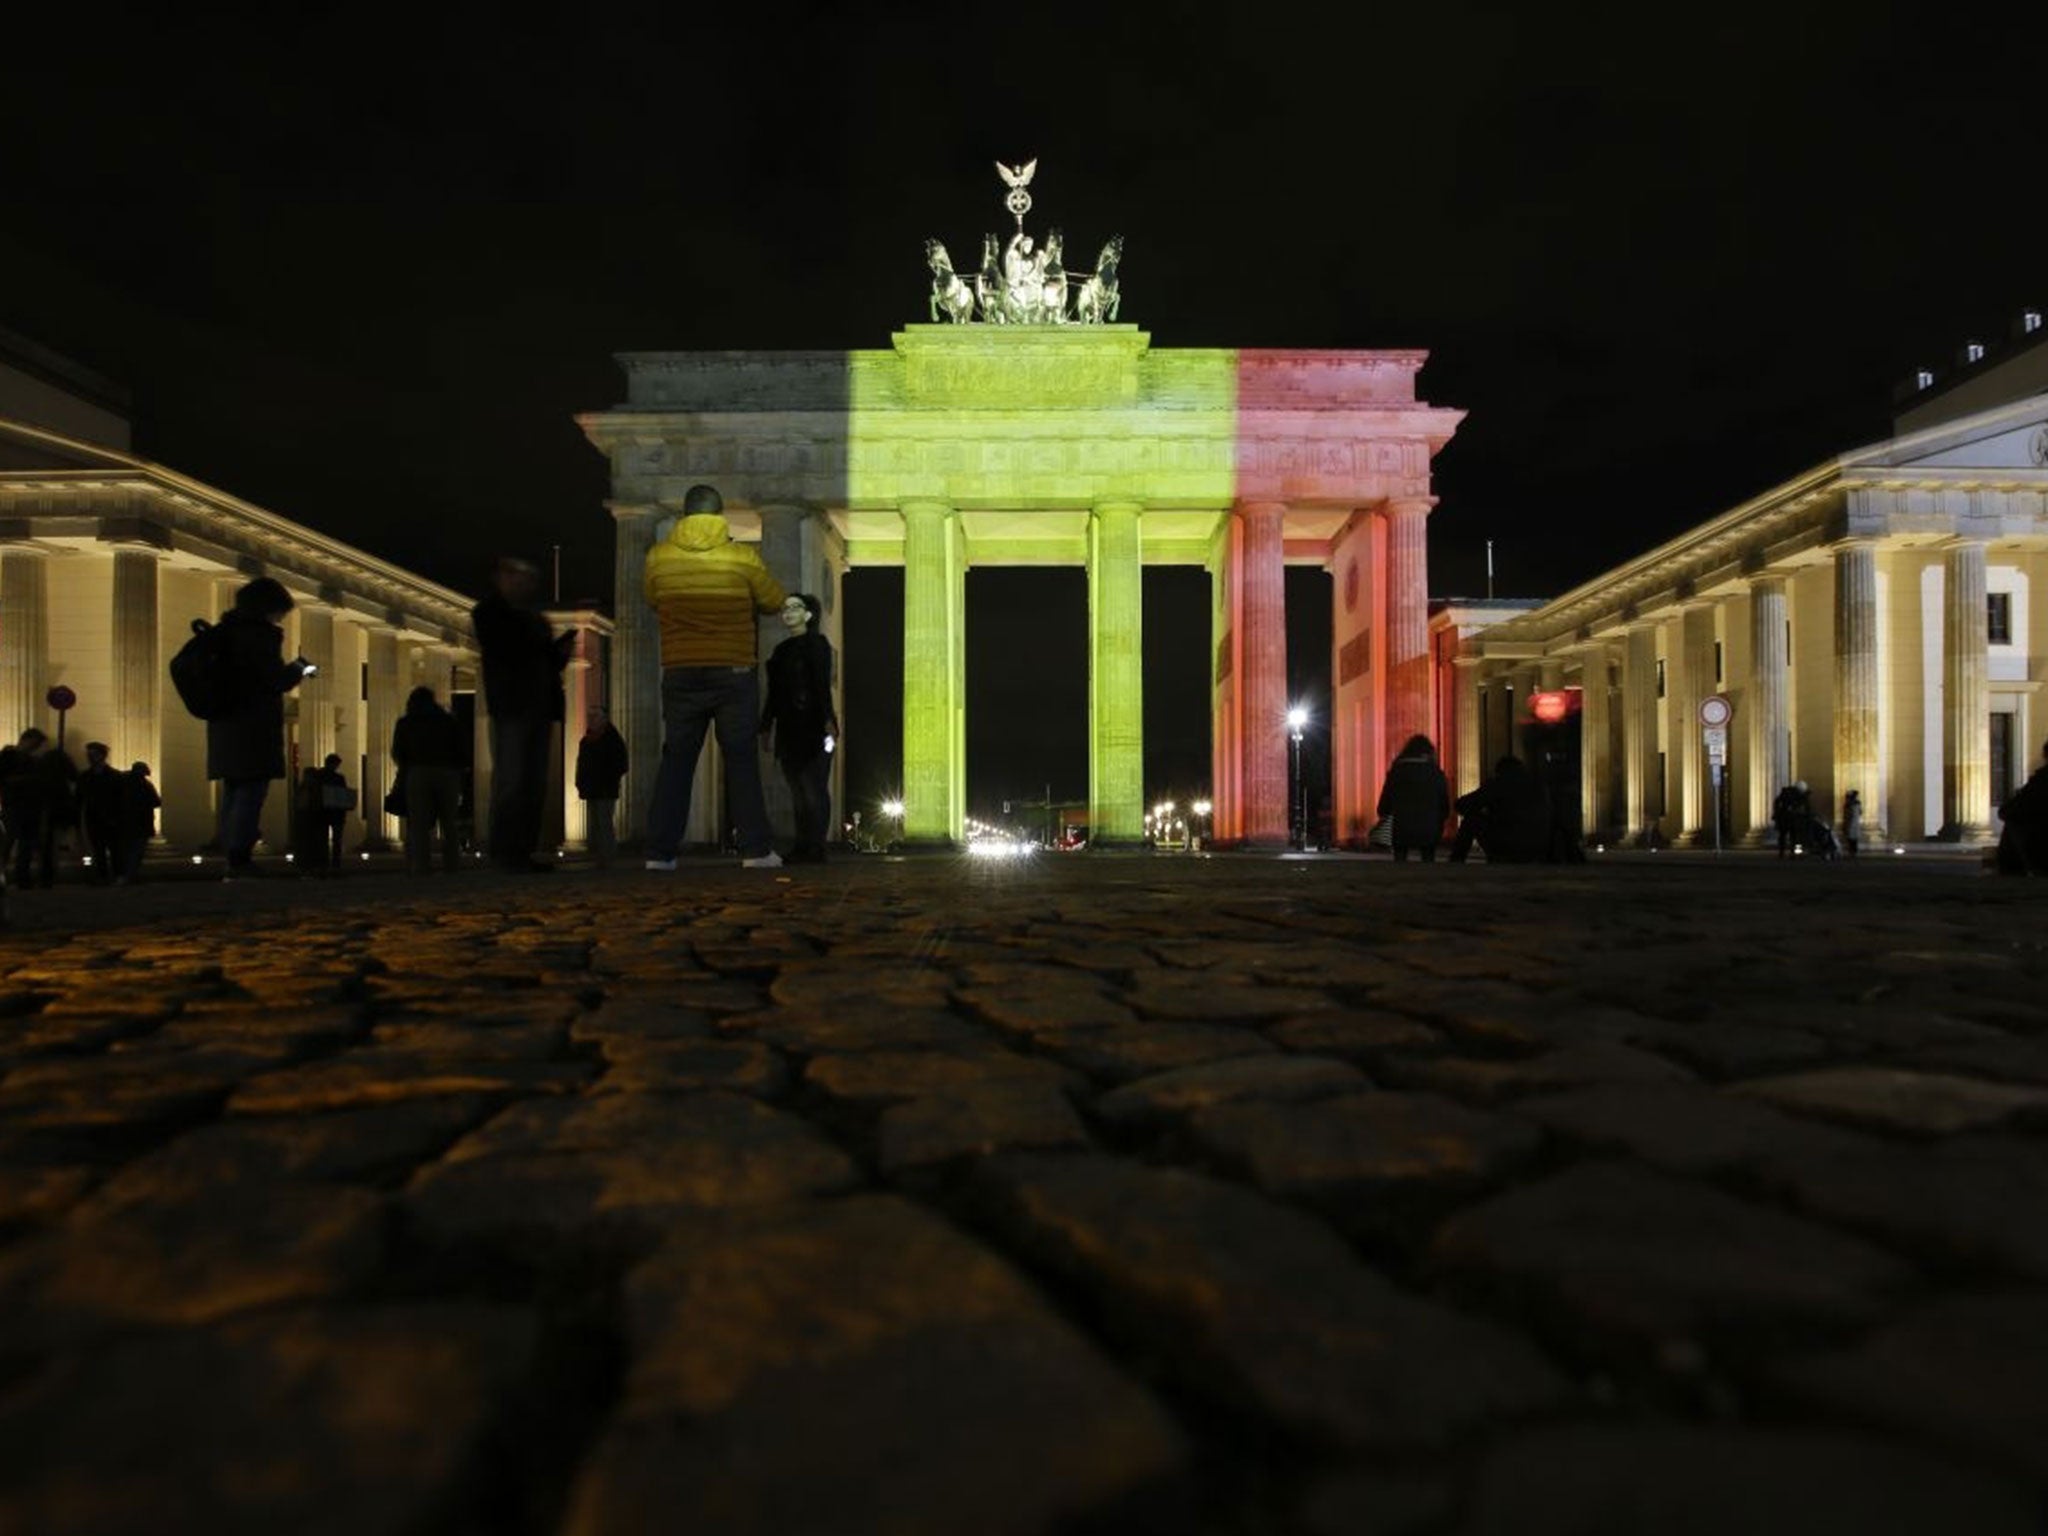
{"points": [[1109, 504], [624, 511], [924, 506], [1407, 506], [1766, 584], [1960, 544], [1248, 509]]}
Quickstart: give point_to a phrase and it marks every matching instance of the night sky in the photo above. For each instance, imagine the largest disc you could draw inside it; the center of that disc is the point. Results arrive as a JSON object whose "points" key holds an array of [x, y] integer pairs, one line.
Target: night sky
{"points": [[363, 272]]}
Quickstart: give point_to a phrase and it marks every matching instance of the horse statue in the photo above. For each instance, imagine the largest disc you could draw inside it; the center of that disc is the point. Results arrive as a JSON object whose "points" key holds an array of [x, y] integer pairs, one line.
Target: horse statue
{"points": [[1097, 301], [1052, 278], [950, 293], [988, 282]]}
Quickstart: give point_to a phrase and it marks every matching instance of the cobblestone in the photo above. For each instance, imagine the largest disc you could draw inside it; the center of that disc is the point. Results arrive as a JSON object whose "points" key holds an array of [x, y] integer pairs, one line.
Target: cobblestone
{"points": [[1152, 1194]]}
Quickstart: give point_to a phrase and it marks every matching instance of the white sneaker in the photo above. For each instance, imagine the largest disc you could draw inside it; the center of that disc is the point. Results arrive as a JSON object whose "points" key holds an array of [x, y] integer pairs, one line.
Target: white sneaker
{"points": [[769, 860], [661, 864]]}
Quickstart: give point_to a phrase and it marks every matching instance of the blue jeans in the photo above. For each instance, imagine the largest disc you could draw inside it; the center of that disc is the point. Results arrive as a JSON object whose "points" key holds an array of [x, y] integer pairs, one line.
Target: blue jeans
{"points": [[694, 699], [241, 816]]}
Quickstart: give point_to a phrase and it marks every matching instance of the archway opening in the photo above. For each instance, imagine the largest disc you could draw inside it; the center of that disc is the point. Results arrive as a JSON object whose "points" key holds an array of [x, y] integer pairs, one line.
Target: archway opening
{"points": [[1027, 697]]}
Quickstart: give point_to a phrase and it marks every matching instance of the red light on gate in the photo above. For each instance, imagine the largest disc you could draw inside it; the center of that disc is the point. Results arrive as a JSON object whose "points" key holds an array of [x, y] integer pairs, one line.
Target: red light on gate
{"points": [[1549, 708]]}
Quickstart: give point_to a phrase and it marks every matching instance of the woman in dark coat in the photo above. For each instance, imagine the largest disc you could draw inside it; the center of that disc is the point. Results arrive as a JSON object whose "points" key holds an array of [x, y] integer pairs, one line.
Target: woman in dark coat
{"points": [[799, 713], [1418, 798], [245, 745], [426, 744]]}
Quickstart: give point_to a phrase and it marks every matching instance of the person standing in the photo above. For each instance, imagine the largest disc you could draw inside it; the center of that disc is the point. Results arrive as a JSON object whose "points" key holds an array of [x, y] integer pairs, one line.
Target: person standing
{"points": [[102, 792], [600, 767], [245, 742], [805, 728], [1852, 821], [426, 746], [1417, 797], [522, 666], [706, 591], [1790, 813], [139, 803], [337, 799], [2023, 844], [35, 794]]}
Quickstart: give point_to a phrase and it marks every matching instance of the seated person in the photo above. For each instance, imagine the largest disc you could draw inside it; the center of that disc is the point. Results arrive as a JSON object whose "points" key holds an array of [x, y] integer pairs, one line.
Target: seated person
{"points": [[1508, 816]]}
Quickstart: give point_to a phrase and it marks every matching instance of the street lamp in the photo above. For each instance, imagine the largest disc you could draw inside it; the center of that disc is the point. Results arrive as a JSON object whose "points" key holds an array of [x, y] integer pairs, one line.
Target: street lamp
{"points": [[1297, 722]]}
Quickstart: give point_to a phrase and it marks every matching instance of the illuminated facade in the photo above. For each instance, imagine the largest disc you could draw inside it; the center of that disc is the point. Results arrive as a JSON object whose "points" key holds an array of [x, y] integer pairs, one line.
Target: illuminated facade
{"points": [[965, 445], [1872, 621]]}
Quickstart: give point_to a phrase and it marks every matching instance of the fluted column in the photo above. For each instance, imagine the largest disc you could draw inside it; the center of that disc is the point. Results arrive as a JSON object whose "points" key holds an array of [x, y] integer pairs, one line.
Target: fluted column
{"points": [[381, 711], [1596, 765], [1116, 675], [24, 640], [1640, 782], [1856, 692], [1263, 708], [316, 694], [1691, 681], [635, 680], [1407, 621], [581, 680], [138, 665], [934, 696], [1770, 738], [1965, 696], [1466, 769]]}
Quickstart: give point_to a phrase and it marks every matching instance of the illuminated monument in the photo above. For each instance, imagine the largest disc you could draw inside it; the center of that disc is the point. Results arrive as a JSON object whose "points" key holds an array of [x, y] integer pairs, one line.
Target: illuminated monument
{"points": [[1025, 427]]}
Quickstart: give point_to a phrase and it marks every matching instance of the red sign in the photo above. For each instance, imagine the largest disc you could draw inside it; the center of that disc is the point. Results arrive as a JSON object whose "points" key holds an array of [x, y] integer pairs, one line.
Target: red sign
{"points": [[61, 698], [1549, 708]]}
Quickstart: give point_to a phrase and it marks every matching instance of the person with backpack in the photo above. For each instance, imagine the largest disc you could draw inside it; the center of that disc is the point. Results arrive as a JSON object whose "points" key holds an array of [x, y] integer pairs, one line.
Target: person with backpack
{"points": [[245, 729]]}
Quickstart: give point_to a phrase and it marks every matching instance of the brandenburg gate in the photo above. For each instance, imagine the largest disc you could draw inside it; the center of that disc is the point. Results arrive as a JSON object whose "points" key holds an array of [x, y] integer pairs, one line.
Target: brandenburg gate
{"points": [[1024, 426]]}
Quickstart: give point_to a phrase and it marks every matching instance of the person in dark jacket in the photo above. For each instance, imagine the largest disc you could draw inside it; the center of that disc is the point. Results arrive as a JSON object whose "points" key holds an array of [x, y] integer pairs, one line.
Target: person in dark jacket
{"points": [[522, 667], [600, 767], [1790, 813], [1508, 816], [337, 799], [799, 715], [426, 746], [2023, 844], [1417, 797], [102, 791], [36, 782], [139, 803], [245, 745]]}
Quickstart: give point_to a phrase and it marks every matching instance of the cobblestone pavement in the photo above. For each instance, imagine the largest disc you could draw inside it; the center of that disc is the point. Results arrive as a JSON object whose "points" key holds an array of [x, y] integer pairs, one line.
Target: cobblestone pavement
{"points": [[946, 1197]]}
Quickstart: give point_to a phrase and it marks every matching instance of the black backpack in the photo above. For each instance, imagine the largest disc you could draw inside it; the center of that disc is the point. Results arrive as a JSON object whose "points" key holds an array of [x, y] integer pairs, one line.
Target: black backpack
{"points": [[201, 673]]}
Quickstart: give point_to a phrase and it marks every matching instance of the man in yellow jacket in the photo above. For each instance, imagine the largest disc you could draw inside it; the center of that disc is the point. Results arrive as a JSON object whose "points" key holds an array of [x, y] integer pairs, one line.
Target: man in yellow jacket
{"points": [[706, 590]]}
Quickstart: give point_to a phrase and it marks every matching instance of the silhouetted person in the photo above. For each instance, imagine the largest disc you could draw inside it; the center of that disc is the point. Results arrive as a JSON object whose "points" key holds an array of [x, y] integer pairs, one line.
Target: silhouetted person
{"points": [[139, 803], [337, 799], [600, 769], [522, 666], [102, 791], [1508, 816], [2023, 845], [1417, 797], [35, 797], [1790, 813], [426, 744], [804, 726], [705, 591], [245, 743], [1852, 821]]}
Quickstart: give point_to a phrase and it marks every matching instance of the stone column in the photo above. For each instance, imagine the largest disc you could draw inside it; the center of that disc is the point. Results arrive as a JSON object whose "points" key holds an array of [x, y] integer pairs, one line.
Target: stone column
{"points": [[1465, 770], [137, 735], [1409, 711], [1856, 692], [635, 680], [24, 641], [1691, 681], [1642, 787], [380, 715], [934, 703], [1263, 688], [1595, 732], [580, 682], [1965, 698], [1116, 675], [317, 693], [1770, 739]]}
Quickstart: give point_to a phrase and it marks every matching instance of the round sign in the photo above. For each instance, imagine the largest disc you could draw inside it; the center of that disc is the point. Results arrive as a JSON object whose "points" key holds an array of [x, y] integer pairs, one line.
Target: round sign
{"points": [[1716, 710], [1549, 708], [60, 698]]}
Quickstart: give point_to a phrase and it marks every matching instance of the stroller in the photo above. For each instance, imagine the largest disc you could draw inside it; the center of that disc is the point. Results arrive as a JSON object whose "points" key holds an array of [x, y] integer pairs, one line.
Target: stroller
{"points": [[1818, 838]]}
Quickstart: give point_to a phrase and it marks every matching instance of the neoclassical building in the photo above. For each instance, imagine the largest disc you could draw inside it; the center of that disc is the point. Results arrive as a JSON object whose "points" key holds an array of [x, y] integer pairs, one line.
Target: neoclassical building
{"points": [[1872, 621], [1062, 444]]}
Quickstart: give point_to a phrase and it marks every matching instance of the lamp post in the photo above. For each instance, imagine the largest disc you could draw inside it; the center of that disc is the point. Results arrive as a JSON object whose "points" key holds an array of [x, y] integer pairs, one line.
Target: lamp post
{"points": [[1297, 722], [1201, 809]]}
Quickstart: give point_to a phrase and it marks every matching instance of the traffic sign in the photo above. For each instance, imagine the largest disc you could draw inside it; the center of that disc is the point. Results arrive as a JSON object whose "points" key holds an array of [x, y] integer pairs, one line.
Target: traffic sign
{"points": [[1716, 711], [61, 698], [1717, 745]]}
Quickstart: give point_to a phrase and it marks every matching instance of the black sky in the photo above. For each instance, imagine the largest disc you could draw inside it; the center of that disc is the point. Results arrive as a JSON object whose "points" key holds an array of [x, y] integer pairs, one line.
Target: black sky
{"points": [[363, 271]]}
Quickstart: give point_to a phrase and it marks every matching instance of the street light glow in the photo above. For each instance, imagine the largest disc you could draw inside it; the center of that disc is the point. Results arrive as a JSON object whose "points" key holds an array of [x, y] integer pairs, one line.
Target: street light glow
{"points": [[1200, 807], [1297, 716], [893, 808]]}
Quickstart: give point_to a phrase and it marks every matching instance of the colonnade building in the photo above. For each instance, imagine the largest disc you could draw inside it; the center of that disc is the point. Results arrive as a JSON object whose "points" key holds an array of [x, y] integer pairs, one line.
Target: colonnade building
{"points": [[1079, 445], [1873, 622]]}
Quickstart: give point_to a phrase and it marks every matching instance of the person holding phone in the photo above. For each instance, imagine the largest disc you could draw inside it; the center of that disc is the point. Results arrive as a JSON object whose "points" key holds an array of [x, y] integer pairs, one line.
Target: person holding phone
{"points": [[245, 742]]}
